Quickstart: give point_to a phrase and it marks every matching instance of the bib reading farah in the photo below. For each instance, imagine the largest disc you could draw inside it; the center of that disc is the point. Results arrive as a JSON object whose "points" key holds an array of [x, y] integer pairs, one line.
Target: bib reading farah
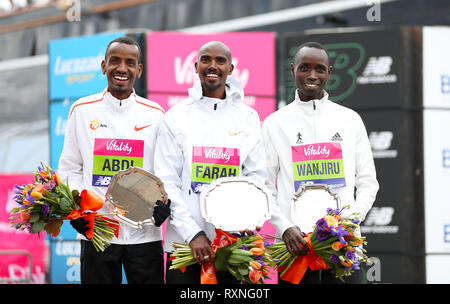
{"points": [[211, 163]]}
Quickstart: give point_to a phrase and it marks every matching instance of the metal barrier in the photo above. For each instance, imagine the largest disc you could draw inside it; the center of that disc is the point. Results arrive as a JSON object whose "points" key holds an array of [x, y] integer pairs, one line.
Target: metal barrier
{"points": [[30, 266]]}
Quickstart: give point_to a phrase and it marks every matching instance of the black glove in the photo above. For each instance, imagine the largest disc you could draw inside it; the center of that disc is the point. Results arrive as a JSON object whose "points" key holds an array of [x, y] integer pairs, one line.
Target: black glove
{"points": [[80, 225], [161, 212]]}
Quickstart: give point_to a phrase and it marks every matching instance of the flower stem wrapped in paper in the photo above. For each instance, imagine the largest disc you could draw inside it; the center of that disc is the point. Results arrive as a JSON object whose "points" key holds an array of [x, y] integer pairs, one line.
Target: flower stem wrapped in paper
{"points": [[333, 244], [244, 257], [45, 203]]}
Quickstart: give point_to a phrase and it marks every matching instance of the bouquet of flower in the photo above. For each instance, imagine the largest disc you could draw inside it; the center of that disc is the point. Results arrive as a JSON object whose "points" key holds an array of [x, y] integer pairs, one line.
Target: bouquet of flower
{"points": [[333, 245], [45, 203], [244, 257]]}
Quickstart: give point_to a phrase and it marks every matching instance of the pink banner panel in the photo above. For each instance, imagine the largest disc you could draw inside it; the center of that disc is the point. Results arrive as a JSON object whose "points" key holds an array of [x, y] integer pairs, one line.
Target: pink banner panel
{"points": [[15, 265], [171, 57]]}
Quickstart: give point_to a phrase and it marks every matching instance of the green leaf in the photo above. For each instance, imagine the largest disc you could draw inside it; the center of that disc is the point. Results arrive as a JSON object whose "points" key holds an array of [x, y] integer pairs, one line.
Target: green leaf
{"points": [[15, 210], [34, 217], [222, 256], [38, 226], [243, 270], [65, 204]]}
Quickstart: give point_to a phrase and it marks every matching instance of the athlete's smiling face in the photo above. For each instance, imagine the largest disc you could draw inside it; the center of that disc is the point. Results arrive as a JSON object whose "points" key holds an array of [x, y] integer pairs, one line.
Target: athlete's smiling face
{"points": [[213, 66], [311, 71], [121, 67]]}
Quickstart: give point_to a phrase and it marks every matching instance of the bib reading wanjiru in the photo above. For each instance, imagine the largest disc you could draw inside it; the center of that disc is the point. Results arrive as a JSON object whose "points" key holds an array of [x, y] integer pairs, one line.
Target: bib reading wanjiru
{"points": [[112, 155], [319, 163], [211, 163]]}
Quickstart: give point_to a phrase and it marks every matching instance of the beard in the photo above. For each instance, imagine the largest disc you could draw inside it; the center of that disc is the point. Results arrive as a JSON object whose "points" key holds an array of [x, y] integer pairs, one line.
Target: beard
{"points": [[211, 87]]}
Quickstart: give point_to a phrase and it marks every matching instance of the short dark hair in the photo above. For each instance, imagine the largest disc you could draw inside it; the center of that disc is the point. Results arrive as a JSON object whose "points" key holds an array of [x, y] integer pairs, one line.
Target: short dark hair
{"points": [[126, 40], [312, 44]]}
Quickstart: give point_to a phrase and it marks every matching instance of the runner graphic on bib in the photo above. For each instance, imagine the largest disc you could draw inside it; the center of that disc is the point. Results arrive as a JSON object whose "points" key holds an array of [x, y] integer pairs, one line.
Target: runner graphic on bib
{"points": [[211, 163], [112, 155], [319, 163]]}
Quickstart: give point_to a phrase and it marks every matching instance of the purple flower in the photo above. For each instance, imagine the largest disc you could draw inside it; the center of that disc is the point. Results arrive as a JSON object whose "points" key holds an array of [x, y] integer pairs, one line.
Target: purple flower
{"points": [[322, 235], [350, 255], [29, 227], [355, 265], [335, 259], [45, 209], [244, 247], [339, 233], [267, 244], [322, 224], [30, 199], [49, 185], [356, 222]]}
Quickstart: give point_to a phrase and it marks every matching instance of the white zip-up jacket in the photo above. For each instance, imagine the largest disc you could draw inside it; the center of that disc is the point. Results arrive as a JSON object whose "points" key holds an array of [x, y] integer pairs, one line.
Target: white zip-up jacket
{"points": [[317, 121], [105, 135], [195, 132]]}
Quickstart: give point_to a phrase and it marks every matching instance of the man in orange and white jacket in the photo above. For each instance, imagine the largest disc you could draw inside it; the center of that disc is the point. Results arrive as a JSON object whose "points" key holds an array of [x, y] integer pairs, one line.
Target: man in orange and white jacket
{"points": [[105, 133]]}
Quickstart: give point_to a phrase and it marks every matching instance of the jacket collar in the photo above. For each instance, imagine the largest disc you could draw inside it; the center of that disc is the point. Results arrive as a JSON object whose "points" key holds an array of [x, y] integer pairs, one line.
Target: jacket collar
{"points": [[119, 104], [311, 105], [233, 91]]}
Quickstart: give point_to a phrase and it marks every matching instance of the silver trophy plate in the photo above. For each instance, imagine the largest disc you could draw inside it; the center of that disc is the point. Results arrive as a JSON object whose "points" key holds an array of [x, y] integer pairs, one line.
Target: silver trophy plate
{"points": [[132, 195], [310, 203], [235, 204]]}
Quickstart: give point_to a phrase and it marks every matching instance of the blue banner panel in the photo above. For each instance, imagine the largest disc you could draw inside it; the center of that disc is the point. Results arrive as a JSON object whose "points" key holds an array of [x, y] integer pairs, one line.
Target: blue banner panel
{"points": [[75, 65]]}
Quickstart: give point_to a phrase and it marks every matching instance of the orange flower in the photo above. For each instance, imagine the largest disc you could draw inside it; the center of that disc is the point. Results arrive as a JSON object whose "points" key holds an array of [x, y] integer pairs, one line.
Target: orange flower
{"points": [[346, 263], [257, 251], [43, 173], [331, 221], [90, 200], [56, 178], [336, 246], [254, 276], [357, 242], [39, 188], [255, 265], [24, 217], [36, 195], [259, 243]]}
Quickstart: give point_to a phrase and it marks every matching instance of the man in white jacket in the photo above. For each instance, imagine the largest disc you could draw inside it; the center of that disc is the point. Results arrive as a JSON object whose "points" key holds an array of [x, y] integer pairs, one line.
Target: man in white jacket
{"points": [[212, 122], [313, 121], [105, 133]]}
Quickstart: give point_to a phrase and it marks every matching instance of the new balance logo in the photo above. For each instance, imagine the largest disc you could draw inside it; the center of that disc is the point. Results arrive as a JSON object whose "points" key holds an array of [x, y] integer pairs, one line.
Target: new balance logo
{"points": [[380, 216], [378, 66], [102, 181], [336, 137], [377, 71]]}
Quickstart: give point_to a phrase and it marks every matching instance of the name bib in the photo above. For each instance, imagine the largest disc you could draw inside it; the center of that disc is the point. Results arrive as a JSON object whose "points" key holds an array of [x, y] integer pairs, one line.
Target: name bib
{"points": [[113, 155], [319, 163], [211, 163]]}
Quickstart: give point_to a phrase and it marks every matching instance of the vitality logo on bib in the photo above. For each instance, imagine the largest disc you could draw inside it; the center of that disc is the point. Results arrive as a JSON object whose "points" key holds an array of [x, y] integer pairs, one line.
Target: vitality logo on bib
{"points": [[211, 163], [112, 155], [319, 163]]}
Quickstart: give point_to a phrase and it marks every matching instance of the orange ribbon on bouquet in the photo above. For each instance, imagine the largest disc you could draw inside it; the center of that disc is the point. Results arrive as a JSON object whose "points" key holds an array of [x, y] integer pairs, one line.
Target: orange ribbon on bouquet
{"points": [[208, 271], [90, 203], [298, 268]]}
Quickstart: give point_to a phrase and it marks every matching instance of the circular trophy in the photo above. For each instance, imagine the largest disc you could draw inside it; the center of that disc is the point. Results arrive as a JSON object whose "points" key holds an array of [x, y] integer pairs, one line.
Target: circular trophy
{"points": [[132, 195], [310, 203], [235, 204]]}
